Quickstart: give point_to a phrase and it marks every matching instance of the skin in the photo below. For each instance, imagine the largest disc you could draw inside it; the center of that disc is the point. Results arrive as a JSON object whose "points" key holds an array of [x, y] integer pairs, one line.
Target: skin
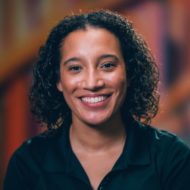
{"points": [[92, 66]]}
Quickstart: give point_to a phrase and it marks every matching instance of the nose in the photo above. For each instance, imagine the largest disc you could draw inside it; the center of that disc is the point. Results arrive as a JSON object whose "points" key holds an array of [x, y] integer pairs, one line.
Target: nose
{"points": [[93, 81]]}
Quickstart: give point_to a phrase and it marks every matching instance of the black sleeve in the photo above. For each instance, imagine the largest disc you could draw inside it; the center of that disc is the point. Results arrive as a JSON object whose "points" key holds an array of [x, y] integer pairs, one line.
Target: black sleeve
{"points": [[176, 175], [15, 177]]}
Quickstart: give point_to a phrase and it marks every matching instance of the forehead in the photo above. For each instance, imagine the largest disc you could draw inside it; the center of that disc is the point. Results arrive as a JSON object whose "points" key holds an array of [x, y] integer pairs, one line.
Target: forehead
{"points": [[90, 39]]}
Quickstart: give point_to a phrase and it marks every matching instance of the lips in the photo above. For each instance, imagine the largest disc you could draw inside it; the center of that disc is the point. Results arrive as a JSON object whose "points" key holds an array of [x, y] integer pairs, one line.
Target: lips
{"points": [[95, 100]]}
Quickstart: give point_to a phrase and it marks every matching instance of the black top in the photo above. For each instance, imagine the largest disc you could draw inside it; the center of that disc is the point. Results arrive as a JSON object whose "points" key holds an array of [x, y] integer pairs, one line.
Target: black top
{"points": [[151, 160]]}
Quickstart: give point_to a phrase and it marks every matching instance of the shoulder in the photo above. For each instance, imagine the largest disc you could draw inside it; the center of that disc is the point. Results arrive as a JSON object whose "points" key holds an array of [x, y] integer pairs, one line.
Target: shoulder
{"points": [[162, 139], [27, 162], [170, 155], [36, 143], [163, 143], [35, 149]]}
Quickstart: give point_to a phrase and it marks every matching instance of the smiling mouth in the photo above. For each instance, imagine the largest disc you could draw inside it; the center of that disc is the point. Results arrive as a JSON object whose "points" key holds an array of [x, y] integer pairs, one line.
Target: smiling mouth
{"points": [[94, 100]]}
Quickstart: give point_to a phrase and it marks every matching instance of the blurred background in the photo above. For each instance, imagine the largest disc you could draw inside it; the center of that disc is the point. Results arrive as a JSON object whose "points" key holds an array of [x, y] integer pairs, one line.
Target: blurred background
{"points": [[25, 25]]}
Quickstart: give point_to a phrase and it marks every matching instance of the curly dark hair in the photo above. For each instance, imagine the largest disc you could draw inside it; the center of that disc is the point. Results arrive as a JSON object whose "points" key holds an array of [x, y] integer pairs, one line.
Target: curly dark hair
{"points": [[48, 104]]}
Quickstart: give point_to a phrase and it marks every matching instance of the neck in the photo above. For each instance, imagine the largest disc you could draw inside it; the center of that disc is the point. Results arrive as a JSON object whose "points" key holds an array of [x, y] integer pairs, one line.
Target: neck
{"points": [[97, 138]]}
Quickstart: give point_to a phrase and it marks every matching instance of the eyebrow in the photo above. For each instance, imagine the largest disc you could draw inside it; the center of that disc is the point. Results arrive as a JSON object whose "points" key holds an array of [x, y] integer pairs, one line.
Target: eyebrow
{"points": [[104, 56], [71, 59]]}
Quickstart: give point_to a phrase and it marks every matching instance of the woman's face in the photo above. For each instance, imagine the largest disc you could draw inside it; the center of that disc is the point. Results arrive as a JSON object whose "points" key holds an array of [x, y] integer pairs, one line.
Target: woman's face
{"points": [[92, 75]]}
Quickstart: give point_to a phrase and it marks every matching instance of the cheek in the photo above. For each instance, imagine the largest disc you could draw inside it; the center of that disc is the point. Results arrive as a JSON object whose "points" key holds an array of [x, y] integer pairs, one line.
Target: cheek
{"points": [[118, 81], [69, 84]]}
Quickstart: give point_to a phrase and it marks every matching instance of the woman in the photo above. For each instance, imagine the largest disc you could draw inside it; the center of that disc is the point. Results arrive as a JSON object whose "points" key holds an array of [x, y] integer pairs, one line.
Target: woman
{"points": [[95, 86]]}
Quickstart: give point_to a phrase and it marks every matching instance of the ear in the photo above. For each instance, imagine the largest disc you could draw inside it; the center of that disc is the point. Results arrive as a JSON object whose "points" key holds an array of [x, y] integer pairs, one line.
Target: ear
{"points": [[59, 86]]}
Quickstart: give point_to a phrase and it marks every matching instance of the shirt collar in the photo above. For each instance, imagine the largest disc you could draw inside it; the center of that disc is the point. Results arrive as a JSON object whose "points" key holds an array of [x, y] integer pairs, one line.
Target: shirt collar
{"points": [[60, 158], [137, 149], [58, 155]]}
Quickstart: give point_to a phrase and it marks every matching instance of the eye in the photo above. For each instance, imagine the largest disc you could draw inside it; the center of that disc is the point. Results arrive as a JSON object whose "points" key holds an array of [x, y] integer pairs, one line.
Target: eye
{"points": [[75, 68], [109, 66]]}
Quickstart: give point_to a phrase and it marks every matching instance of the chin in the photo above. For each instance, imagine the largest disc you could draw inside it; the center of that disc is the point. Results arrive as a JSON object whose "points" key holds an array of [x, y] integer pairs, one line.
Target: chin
{"points": [[95, 122]]}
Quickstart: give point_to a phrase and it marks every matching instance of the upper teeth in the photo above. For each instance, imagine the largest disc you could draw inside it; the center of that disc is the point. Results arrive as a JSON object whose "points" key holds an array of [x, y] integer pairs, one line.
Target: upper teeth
{"points": [[93, 99]]}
